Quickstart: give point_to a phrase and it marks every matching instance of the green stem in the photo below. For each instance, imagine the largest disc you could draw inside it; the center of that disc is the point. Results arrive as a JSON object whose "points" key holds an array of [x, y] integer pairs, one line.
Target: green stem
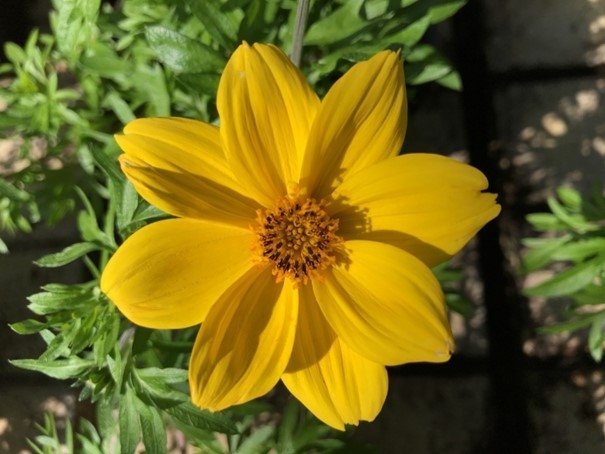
{"points": [[302, 13]]}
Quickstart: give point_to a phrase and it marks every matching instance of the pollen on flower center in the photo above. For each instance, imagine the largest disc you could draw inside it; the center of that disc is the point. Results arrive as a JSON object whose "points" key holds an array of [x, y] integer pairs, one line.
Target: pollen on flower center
{"points": [[297, 237]]}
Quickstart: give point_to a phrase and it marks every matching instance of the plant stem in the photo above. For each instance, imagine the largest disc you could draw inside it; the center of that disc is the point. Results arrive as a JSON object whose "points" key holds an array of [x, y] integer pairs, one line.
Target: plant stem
{"points": [[302, 13]]}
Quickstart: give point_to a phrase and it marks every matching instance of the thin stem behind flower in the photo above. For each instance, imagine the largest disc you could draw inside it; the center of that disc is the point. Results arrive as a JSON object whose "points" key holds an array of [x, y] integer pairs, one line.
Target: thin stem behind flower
{"points": [[302, 13]]}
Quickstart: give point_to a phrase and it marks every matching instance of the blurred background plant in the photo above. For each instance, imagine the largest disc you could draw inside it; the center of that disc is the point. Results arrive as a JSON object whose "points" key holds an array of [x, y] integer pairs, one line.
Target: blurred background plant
{"points": [[63, 97], [572, 246]]}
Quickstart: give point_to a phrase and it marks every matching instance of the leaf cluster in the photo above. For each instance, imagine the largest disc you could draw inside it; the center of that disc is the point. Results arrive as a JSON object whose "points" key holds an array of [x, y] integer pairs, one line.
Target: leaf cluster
{"points": [[574, 245]]}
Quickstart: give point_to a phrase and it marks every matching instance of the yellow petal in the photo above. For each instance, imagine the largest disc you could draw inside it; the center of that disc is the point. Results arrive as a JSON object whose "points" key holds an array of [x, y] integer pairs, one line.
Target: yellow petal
{"points": [[362, 120], [427, 204], [184, 194], [244, 345], [386, 305], [336, 384], [178, 166], [168, 274], [266, 109]]}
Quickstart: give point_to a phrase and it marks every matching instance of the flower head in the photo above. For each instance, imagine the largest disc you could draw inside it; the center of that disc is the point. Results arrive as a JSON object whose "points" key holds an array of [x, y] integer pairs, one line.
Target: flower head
{"points": [[301, 241]]}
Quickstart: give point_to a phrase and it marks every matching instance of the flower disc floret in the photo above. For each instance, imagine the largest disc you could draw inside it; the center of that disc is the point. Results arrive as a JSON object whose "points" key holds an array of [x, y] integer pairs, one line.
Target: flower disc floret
{"points": [[298, 238]]}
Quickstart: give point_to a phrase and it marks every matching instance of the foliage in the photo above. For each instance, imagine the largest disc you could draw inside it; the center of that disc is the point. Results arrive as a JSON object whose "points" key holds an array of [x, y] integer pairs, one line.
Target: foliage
{"points": [[65, 95], [575, 244]]}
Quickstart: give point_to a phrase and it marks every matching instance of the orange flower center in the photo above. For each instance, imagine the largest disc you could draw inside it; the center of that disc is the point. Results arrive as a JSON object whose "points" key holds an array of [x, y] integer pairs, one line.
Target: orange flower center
{"points": [[297, 237]]}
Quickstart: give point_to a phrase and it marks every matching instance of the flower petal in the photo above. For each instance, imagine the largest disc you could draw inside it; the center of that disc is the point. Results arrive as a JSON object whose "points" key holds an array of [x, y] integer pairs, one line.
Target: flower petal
{"points": [[168, 274], [336, 384], [178, 166], [386, 305], [187, 195], [244, 345], [266, 109], [362, 120], [427, 204]]}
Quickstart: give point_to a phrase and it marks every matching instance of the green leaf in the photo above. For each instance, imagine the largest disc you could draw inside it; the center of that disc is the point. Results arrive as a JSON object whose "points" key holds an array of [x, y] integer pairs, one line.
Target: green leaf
{"points": [[182, 54], [130, 428], [570, 197], [119, 107], [592, 294], [128, 205], [582, 321], [596, 338], [168, 375], [44, 303], [444, 9], [254, 443], [13, 193], [67, 255], [103, 61], [258, 21], [154, 432], [458, 303], [424, 65], [544, 222], [411, 34], [14, 53], [217, 23], [542, 251], [574, 221], [29, 326], [61, 368], [451, 81], [570, 280], [580, 249], [340, 24], [156, 390], [189, 415]]}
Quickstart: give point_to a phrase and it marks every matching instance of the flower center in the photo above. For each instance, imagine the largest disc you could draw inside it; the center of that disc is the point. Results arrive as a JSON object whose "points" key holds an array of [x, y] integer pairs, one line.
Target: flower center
{"points": [[298, 238]]}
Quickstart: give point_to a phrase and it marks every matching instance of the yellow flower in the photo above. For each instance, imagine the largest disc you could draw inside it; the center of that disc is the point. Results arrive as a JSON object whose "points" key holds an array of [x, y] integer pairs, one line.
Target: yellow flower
{"points": [[302, 242]]}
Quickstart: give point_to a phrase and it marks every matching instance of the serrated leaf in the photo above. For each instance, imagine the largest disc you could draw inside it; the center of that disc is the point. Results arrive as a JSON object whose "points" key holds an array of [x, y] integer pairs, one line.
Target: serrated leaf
{"points": [[182, 54], [67, 255], [130, 428], [61, 368], [189, 415]]}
